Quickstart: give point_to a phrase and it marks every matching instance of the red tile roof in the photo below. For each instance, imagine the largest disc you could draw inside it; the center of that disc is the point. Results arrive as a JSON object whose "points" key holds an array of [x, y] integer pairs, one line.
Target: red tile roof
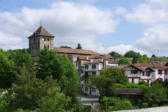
{"points": [[144, 66], [75, 51], [41, 31]]}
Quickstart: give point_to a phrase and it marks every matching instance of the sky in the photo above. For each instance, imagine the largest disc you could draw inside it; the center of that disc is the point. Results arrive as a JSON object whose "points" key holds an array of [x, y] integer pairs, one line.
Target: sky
{"points": [[100, 25]]}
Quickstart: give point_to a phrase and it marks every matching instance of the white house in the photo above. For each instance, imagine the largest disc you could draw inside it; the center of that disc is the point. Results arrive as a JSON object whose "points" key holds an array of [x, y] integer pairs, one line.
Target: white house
{"points": [[88, 65], [147, 72]]}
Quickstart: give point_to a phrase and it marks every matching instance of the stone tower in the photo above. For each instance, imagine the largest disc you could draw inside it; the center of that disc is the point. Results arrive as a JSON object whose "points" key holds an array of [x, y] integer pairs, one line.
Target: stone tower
{"points": [[39, 39]]}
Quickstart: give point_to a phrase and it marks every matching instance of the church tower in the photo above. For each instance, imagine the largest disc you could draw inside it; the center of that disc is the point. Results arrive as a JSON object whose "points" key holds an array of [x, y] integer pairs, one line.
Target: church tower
{"points": [[39, 39]]}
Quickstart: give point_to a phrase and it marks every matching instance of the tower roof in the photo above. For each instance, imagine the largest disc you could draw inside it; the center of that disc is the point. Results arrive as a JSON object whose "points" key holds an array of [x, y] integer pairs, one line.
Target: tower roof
{"points": [[41, 31]]}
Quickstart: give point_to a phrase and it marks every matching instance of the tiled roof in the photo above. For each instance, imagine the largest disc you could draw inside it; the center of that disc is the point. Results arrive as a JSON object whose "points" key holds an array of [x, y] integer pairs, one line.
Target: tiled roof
{"points": [[144, 66], [41, 31], [160, 65], [74, 51]]}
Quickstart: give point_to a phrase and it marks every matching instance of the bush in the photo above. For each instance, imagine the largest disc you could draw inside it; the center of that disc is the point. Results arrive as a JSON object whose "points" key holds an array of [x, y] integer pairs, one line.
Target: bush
{"points": [[143, 83], [123, 105], [21, 110], [144, 105], [115, 104], [82, 108], [130, 85]]}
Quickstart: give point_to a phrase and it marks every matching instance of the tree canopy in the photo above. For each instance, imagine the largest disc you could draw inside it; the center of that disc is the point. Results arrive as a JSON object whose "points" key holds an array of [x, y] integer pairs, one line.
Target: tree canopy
{"points": [[7, 73], [105, 82], [156, 92], [124, 61], [115, 54], [60, 68], [133, 55], [79, 46]]}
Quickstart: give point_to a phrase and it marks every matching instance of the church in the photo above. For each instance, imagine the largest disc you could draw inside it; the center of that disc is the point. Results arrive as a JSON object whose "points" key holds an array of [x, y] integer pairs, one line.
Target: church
{"points": [[41, 38]]}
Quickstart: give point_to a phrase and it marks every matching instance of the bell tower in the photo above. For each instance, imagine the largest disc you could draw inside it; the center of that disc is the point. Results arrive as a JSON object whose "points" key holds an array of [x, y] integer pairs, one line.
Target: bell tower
{"points": [[39, 39]]}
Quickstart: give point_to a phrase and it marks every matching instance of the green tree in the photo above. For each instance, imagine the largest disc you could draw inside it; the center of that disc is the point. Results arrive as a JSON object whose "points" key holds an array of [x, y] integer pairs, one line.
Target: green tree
{"points": [[105, 82], [79, 46], [153, 56], [7, 73], [144, 59], [133, 55], [20, 57], [55, 101], [124, 61], [115, 54], [156, 93], [62, 69], [28, 90]]}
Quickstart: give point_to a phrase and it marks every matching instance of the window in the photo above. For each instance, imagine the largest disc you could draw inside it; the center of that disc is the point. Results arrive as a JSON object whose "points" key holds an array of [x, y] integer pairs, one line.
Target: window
{"points": [[45, 39], [93, 89], [86, 89], [48, 46], [159, 71], [48, 39], [143, 73], [147, 73], [93, 66], [86, 66], [134, 71]]}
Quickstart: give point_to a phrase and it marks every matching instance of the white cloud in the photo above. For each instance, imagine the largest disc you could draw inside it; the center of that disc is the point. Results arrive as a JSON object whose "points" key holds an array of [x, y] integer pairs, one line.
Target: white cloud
{"points": [[159, 3], [153, 15], [69, 22], [13, 42], [145, 14], [123, 48], [120, 11], [155, 39]]}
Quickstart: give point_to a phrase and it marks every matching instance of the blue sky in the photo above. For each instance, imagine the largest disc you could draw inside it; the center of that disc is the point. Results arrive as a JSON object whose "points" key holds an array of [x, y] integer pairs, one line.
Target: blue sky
{"points": [[109, 25]]}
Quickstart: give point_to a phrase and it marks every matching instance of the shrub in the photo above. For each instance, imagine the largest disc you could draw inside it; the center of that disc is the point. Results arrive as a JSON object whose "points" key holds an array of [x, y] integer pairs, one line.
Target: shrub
{"points": [[144, 105], [115, 103], [82, 108], [21, 110], [123, 105]]}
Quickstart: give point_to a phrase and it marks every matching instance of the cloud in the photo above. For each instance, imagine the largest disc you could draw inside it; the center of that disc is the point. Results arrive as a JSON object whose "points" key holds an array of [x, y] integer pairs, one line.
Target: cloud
{"points": [[154, 39], [147, 15], [69, 22], [13, 42], [120, 11], [153, 15], [123, 48]]}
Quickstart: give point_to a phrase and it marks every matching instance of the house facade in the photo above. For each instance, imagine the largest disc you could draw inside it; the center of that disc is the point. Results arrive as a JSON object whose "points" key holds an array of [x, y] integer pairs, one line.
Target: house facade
{"points": [[89, 65], [147, 72]]}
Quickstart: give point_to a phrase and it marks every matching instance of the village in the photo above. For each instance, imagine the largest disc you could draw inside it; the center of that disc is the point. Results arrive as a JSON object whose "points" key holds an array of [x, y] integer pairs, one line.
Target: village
{"points": [[83, 56], [88, 62]]}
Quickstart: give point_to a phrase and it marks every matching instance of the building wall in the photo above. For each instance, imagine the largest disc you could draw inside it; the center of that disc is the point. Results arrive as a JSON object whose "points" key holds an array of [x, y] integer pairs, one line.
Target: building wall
{"points": [[37, 43]]}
